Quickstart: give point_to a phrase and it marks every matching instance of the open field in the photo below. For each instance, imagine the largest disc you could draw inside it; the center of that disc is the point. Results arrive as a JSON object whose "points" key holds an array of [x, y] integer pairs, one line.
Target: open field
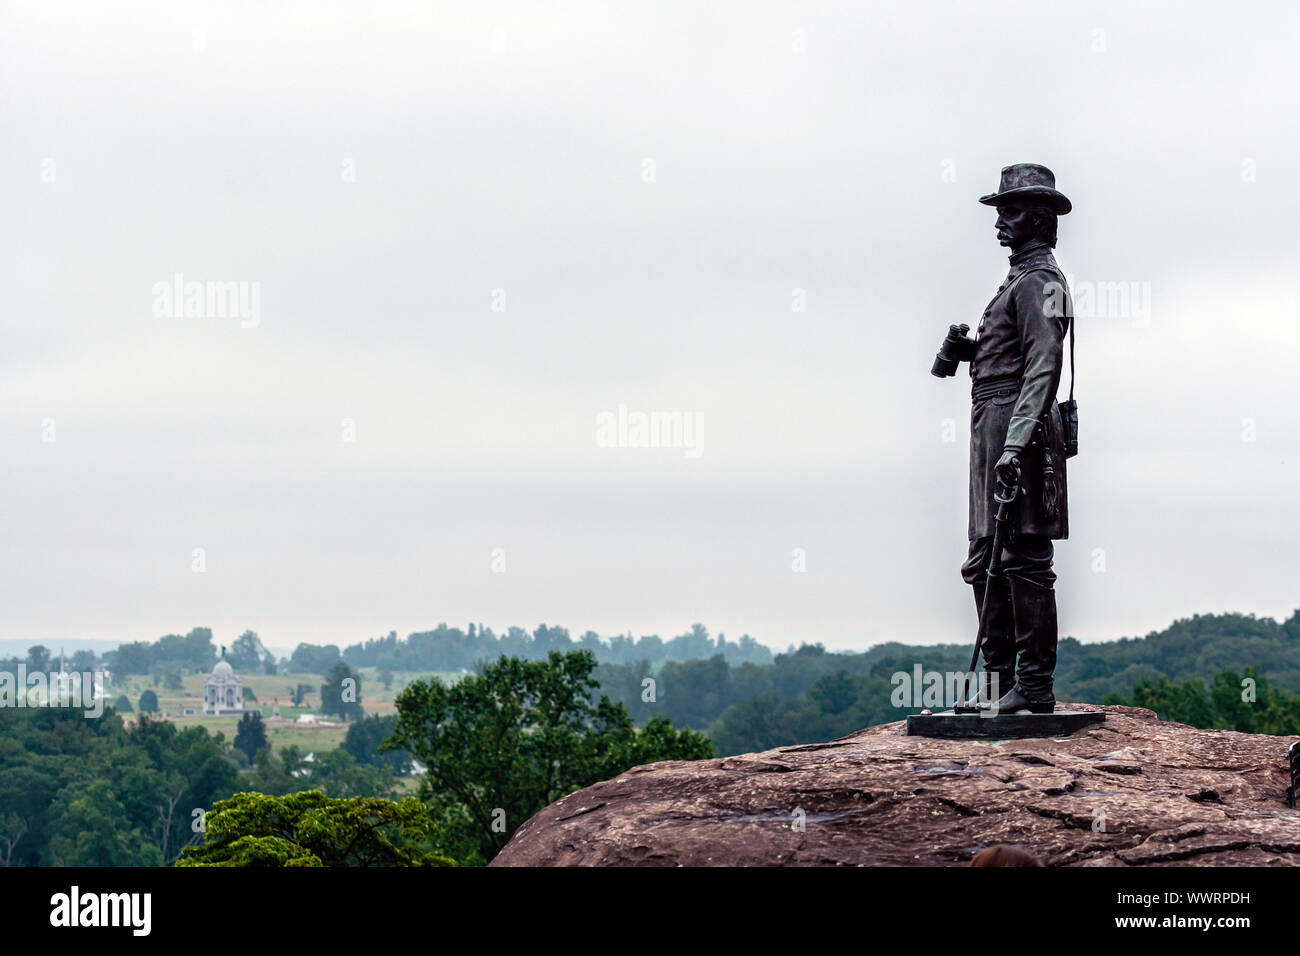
{"points": [[310, 738], [279, 733], [269, 689]]}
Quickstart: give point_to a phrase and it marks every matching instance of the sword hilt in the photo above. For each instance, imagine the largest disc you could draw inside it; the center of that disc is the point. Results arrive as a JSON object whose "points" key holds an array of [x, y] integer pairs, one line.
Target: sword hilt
{"points": [[1008, 491]]}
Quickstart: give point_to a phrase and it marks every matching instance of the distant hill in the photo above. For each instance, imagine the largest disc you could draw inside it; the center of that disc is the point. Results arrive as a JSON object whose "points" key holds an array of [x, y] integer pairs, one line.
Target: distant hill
{"points": [[813, 694], [1196, 647]]}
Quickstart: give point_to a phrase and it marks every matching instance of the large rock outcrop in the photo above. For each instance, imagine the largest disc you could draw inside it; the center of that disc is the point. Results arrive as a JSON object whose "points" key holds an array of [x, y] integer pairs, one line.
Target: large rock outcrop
{"points": [[1135, 791]]}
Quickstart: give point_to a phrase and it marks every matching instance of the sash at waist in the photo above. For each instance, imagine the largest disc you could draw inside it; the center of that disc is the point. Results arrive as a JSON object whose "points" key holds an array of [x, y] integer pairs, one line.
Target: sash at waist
{"points": [[997, 385]]}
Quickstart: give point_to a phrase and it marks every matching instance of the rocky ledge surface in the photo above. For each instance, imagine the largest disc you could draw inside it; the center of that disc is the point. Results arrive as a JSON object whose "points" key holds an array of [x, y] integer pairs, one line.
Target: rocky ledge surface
{"points": [[1134, 791]]}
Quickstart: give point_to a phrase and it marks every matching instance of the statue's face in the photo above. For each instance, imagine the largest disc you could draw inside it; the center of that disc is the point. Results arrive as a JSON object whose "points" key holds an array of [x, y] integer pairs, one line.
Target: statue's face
{"points": [[1016, 225]]}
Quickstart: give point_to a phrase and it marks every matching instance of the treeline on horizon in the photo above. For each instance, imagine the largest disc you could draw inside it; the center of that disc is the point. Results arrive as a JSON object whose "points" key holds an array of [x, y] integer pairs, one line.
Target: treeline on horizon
{"points": [[444, 649], [1199, 646], [698, 677], [451, 649], [812, 694], [746, 698]]}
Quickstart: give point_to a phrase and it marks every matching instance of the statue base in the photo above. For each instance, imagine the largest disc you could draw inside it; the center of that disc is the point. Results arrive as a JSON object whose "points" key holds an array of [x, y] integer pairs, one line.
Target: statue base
{"points": [[954, 726]]}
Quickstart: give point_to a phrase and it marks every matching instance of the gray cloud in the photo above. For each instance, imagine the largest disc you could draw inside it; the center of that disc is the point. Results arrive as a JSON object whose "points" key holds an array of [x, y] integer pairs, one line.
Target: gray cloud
{"points": [[503, 147]]}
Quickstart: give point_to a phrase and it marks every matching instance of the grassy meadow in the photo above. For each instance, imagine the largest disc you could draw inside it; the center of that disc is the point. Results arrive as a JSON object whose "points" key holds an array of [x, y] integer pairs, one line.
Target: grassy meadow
{"points": [[268, 689]]}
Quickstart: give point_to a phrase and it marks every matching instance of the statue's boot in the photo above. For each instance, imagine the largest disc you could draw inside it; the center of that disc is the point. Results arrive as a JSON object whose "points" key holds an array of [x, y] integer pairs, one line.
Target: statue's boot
{"points": [[1015, 702], [999, 647], [1034, 609]]}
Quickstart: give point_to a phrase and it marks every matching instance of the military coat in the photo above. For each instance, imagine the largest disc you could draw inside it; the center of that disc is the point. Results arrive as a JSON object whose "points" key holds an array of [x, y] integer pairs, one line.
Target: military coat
{"points": [[1014, 377]]}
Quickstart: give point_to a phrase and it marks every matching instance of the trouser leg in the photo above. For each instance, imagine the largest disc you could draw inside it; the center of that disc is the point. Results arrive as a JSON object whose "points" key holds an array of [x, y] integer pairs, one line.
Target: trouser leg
{"points": [[1027, 562]]}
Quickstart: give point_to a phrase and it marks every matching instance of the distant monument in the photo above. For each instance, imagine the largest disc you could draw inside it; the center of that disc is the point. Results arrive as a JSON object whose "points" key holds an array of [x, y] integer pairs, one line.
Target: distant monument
{"points": [[223, 690]]}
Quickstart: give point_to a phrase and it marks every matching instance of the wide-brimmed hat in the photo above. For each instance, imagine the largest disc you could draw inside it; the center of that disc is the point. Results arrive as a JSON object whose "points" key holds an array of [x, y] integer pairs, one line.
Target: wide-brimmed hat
{"points": [[1028, 182]]}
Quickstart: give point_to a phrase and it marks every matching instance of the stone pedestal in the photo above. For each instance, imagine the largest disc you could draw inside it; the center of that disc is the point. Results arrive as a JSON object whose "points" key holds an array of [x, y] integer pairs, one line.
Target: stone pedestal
{"points": [[955, 726]]}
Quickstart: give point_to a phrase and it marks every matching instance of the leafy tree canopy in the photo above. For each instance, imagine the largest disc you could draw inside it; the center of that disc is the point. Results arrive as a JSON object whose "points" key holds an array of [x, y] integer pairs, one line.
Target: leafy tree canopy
{"points": [[246, 653], [311, 829], [503, 744]]}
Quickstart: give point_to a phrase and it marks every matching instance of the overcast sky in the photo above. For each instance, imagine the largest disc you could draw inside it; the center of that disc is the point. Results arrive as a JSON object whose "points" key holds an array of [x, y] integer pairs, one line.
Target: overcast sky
{"points": [[474, 228]]}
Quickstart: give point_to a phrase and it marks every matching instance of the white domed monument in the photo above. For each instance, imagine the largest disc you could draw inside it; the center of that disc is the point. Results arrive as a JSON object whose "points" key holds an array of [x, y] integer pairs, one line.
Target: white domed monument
{"points": [[223, 690]]}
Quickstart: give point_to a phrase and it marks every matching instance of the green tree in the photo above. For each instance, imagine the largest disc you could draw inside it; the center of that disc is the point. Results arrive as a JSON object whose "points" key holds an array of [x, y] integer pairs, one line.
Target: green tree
{"points": [[341, 693], [339, 774], [38, 658], [12, 829], [365, 738], [93, 793], [1244, 703], [279, 771], [148, 702], [504, 743], [246, 652], [133, 658], [184, 771], [250, 735], [93, 827], [195, 650], [313, 659], [311, 829], [123, 705]]}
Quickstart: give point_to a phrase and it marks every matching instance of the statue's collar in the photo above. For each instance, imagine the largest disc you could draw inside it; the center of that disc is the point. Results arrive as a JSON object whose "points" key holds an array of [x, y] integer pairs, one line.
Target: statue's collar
{"points": [[1036, 249]]}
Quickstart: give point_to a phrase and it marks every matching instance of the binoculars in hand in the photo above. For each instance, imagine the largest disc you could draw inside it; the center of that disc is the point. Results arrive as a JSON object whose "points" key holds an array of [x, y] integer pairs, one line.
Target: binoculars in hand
{"points": [[957, 347]]}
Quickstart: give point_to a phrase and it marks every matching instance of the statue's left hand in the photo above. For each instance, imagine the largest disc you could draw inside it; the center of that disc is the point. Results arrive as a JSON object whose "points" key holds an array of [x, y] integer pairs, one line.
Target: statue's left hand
{"points": [[1008, 469]]}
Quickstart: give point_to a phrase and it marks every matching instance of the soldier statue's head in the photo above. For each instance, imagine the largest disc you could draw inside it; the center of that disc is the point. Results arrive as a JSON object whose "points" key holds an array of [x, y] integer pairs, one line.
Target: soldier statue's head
{"points": [[1028, 204]]}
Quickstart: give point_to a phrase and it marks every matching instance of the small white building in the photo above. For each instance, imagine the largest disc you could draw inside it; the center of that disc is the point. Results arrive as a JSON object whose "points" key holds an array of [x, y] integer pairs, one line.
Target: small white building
{"points": [[223, 691]]}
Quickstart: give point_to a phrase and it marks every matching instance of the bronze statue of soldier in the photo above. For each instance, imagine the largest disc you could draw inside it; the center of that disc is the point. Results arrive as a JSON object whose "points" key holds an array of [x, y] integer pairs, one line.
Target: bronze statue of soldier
{"points": [[1019, 437]]}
